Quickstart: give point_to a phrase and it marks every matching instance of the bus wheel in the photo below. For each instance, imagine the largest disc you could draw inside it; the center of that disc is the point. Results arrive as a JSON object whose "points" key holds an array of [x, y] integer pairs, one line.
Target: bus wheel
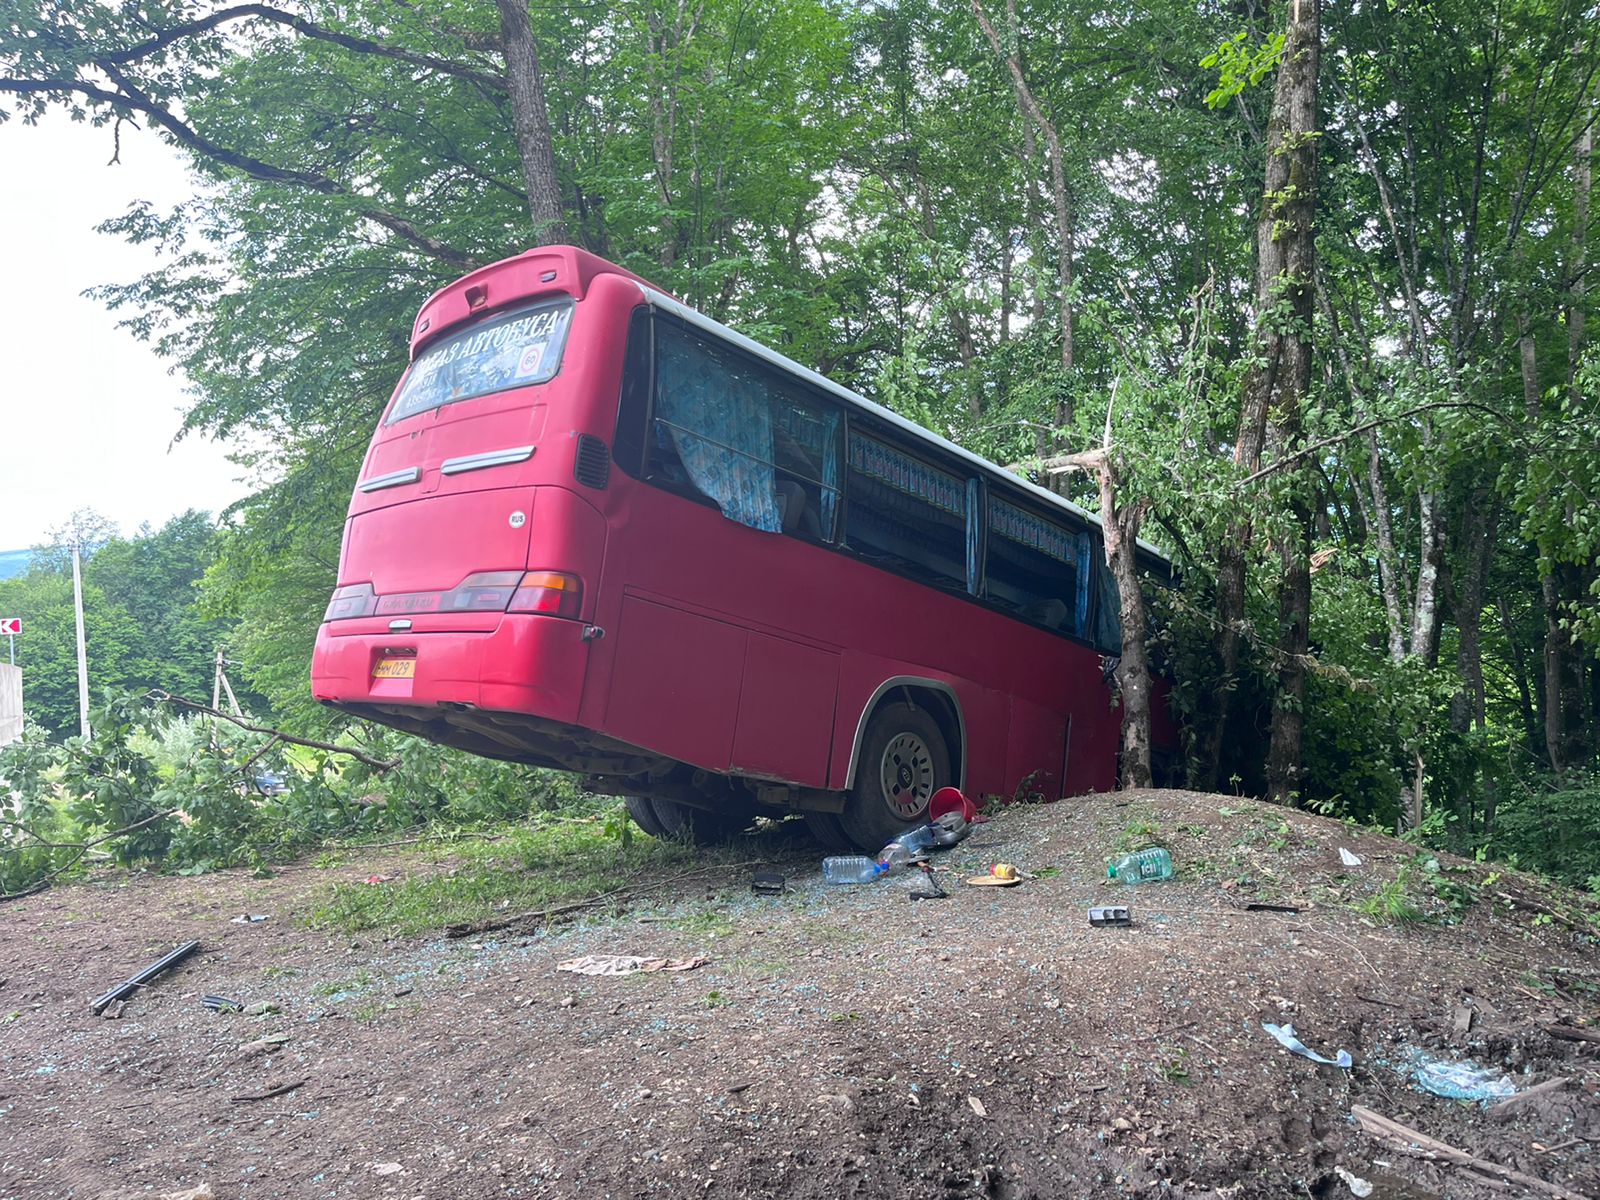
{"points": [[825, 827], [903, 762], [697, 825], [644, 815]]}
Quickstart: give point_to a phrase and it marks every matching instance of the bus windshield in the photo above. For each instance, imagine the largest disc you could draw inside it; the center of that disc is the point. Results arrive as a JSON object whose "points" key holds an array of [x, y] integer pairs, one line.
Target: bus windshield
{"points": [[513, 350]]}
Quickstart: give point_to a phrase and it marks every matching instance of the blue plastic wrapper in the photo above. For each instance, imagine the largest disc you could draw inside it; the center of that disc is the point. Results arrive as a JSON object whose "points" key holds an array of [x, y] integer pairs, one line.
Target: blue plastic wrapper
{"points": [[1286, 1038]]}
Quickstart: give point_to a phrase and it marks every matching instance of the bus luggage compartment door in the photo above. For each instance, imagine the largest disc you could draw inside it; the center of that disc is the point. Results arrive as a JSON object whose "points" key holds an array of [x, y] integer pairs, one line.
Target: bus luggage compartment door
{"points": [[675, 683], [786, 705]]}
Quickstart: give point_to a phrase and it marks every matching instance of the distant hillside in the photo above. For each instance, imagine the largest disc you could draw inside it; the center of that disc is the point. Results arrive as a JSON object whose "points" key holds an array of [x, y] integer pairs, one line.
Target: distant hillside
{"points": [[13, 563]]}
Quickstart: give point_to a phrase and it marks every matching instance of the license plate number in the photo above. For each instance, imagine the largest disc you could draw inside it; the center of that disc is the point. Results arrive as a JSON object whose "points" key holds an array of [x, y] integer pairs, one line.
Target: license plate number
{"points": [[395, 668]]}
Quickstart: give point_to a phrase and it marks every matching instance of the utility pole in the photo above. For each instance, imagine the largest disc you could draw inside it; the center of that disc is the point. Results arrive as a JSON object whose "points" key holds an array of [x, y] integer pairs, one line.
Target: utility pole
{"points": [[83, 658]]}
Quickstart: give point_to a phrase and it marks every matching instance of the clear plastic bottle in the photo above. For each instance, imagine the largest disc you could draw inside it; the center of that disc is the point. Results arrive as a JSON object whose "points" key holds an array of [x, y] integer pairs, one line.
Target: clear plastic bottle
{"points": [[915, 840], [853, 868], [1141, 866]]}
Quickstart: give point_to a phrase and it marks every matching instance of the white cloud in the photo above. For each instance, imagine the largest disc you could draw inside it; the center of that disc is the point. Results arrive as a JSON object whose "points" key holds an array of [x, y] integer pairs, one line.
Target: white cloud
{"points": [[87, 412]]}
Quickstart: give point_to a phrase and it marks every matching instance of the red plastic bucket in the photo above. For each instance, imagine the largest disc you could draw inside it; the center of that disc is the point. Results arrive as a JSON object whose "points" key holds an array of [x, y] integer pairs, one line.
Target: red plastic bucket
{"points": [[949, 799]]}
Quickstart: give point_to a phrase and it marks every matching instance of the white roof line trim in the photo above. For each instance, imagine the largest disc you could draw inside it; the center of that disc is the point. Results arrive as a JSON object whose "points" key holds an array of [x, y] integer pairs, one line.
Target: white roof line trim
{"points": [[702, 321]]}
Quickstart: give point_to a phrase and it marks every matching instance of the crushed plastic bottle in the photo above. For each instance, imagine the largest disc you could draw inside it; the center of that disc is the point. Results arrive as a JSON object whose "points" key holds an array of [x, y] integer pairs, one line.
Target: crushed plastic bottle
{"points": [[1141, 866], [1459, 1079], [853, 868]]}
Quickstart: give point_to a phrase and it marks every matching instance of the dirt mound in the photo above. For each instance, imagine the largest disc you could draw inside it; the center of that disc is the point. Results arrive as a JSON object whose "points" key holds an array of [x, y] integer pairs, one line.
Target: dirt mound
{"points": [[841, 1042]]}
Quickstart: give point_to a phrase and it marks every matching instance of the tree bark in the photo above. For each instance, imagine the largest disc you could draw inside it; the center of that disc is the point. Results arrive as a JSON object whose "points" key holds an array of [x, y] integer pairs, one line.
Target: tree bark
{"points": [[1430, 558], [1388, 560], [1065, 231], [1120, 531], [1285, 298], [530, 121], [1294, 645], [1468, 707], [1527, 695], [1582, 186]]}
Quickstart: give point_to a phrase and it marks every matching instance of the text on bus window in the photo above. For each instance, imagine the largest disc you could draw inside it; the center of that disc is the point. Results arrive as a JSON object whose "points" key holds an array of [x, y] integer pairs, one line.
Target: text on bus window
{"points": [[515, 350]]}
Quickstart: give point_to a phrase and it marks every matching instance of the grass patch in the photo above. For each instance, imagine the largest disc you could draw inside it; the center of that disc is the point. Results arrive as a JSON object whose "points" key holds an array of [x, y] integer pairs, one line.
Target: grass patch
{"points": [[1392, 902], [1139, 833], [706, 921], [529, 867]]}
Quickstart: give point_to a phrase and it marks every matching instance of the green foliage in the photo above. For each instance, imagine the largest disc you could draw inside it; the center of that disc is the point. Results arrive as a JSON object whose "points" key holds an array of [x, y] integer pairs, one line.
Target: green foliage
{"points": [[179, 794], [1239, 65], [1394, 902], [1552, 831], [142, 624]]}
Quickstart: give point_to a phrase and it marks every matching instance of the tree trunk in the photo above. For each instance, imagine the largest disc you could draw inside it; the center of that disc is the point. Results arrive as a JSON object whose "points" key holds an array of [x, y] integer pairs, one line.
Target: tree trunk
{"points": [[1065, 231], [1121, 531], [1430, 558], [1532, 716], [530, 120], [1582, 186], [1284, 302], [1388, 560], [1467, 708], [1563, 671], [1294, 644]]}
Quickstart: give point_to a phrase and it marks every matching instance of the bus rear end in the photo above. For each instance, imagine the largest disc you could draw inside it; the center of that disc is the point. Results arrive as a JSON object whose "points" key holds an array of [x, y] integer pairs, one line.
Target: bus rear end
{"points": [[475, 537]]}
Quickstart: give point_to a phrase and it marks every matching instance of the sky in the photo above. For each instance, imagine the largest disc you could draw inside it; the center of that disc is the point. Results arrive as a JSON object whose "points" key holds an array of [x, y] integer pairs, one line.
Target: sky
{"points": [[87, 411]]}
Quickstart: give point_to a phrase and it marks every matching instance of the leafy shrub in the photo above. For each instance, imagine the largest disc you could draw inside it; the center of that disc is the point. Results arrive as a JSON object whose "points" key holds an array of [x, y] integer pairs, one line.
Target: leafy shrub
{"points": [[177, 793], [1553, 831]]}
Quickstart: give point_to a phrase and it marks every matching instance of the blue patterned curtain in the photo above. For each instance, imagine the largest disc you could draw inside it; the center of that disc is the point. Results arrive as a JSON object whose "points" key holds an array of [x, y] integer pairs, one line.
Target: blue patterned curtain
{"points": [[1085, 574], [721, 425], [830, 475], [1108, 622], [974, 537], [906, 474]]}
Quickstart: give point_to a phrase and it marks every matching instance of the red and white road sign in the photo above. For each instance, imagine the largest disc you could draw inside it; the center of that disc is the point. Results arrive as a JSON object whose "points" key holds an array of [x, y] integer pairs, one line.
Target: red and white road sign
{"points": [[10, 625]]}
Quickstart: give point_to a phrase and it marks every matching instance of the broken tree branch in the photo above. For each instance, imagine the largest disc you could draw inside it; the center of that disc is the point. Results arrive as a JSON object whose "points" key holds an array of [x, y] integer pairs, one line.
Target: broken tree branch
{"points": [[378, 764], [1409, 1141], [82, 848]]}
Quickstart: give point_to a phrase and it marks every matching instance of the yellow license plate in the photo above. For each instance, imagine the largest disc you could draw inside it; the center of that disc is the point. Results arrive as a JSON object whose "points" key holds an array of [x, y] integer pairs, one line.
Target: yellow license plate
{"points": [[395, 668]]}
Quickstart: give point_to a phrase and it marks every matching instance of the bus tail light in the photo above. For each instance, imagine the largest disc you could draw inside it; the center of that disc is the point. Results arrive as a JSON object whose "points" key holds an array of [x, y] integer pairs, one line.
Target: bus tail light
{"points": [[356, 600], [550, 592], [487, 591]]}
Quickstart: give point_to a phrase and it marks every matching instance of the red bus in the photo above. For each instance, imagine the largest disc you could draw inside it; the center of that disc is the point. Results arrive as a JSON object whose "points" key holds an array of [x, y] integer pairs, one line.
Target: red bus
{"points": [[599, 531]]}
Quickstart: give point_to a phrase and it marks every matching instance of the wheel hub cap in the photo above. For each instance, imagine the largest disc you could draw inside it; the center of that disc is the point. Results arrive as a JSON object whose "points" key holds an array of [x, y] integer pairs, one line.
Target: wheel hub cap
{"points": [[907, 775]]}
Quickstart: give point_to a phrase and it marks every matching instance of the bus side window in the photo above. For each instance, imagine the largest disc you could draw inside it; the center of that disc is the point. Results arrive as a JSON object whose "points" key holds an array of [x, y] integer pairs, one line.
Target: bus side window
{"points": [[906, 516], [633, 407], [1037, 570], [725, 428]]}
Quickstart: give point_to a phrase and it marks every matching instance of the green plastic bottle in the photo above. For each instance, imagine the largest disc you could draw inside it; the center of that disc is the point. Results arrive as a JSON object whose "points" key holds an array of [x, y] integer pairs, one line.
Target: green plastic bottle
{"points": [[1142, 866]]}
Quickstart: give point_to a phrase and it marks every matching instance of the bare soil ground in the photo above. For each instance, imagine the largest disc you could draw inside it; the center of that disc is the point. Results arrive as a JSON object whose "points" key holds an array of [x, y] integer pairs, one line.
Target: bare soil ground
{"points": [[841, 1042]]}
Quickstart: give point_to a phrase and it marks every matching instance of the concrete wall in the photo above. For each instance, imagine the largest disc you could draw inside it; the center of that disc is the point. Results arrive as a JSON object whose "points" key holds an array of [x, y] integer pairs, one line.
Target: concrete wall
{"points": [[10, 703]]}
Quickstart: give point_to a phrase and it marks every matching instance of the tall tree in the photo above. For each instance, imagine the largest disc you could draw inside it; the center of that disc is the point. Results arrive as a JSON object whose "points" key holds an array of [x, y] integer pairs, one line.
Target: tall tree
{"points": [[1275, 392]]}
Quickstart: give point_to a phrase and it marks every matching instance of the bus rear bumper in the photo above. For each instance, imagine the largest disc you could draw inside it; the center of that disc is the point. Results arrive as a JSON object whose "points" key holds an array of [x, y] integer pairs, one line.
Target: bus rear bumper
{"points": [[528, 664]]}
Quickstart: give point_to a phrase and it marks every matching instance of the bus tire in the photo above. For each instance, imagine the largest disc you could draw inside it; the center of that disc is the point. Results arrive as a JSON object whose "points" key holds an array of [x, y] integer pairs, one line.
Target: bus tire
{"points": [[904, 760], [698, 826], [644, 815], [830, 835]]}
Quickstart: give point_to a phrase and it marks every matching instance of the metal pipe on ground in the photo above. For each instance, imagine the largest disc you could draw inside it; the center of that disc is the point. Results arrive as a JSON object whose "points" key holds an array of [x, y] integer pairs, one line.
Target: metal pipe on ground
{"points": [[126, 988]]}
